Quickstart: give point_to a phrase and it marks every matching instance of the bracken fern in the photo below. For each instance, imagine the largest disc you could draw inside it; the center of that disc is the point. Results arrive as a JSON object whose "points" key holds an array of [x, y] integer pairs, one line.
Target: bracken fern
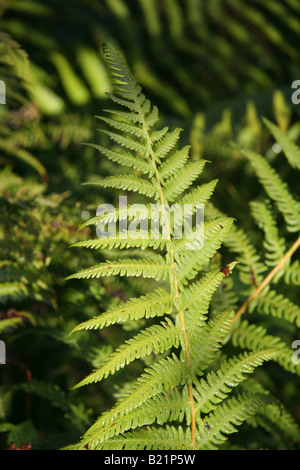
{"points": [[181, 401]]}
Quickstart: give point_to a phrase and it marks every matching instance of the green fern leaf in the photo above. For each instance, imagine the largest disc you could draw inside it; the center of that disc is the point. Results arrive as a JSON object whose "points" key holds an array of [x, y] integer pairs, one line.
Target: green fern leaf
{"points": [[125, 159], [211, 340], [191, 261], [157, 339], [174, 163], [290, 149], [167, 406], [168, 438], [218, 385], [129, 239], [156, 303], [165, 374], [225, 418], [182, 180], [276, 189], [166, 144], [127, 183], [155, 268]]}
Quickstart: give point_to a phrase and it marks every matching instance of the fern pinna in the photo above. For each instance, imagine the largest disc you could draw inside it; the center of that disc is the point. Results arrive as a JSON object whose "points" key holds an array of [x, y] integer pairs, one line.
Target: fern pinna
{"points": [[182, 400]]}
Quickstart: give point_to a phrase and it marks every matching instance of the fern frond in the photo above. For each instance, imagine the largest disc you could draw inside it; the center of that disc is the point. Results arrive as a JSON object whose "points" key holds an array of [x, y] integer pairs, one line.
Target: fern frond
{"points": [[157, 339], [195, 303], [253, 337], [166, 144], [167, 406], [290, 149], [174, 163], [123, 213], [129, 239], [126, 115], [182, 180], [123, 126], [249, 262], [277, 305], [199, 378], [198, 195], [274, 244], [223, 421], [164, 375], [155, 268], [276, 189], [219, 384], [157, 135], [125, 159], [189, 262], [292, 273], [127, 183], [211, 339], [168, 438], [156, 303], [127, 142]]}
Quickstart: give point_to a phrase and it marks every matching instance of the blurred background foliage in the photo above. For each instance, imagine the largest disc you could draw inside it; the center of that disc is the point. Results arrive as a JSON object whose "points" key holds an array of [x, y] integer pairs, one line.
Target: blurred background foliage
{"points": [[213, 68]]}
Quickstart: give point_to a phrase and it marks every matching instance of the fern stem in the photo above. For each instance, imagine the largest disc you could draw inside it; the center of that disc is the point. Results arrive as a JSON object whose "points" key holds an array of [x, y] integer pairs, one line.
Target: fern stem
{"points": [[175, 281], [267, 279]]}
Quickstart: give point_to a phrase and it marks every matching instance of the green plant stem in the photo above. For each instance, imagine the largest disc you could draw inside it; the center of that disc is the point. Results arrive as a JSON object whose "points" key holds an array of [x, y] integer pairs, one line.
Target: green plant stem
{"points": [[175, 281], [267, 279]]}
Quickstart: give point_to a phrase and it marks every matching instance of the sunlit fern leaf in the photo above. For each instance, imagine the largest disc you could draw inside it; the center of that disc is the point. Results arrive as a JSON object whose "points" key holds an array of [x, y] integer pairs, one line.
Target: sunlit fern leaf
{"points": [[130, 239], [165, 374], [182, 180], [155, 268], [249, 262], [162, 408], [198, 195], [225, 419], [156, 303], [170, 389], [174, 163], [168, 438], [127, 183], [123, 213], [191, 261], [155, 339], [127, 142], [213, 334], [217, 385], [157, 135], [125, 159], [166, 144]]}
